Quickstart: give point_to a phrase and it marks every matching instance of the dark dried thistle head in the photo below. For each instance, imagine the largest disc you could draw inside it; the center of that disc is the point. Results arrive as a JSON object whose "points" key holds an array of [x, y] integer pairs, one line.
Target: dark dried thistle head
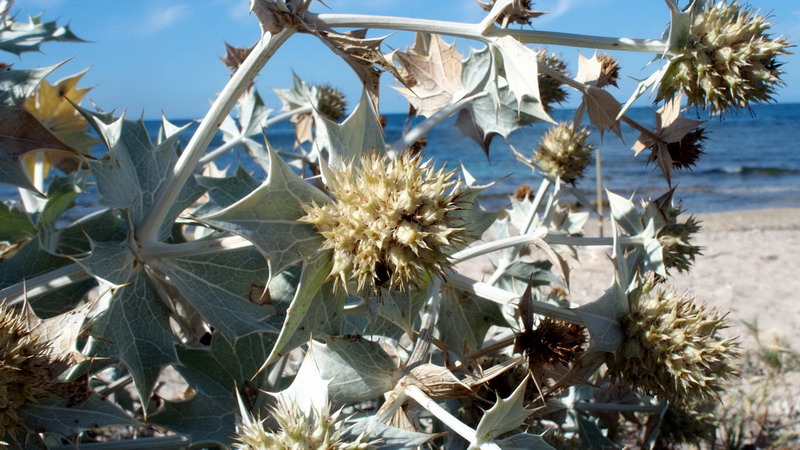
{"points": [[520, 12]]}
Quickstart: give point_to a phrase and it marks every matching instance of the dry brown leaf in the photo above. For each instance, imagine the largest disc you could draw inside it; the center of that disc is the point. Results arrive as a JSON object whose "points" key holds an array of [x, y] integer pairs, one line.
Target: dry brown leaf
{"points": [[21, 132], [603, 109], [435, 74]]}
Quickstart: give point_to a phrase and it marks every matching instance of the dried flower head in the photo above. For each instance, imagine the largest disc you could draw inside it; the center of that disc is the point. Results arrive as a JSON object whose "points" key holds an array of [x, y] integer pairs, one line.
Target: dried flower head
{"points": [[331, 102], [235, 56], [727, 61], [672, 348], [683, 153], [551, 90], [392, 221], [315, 429], [520, 12], [553, 343], [563, 152], [676, 239], [523, 192], [609, 71], [26, 370]]}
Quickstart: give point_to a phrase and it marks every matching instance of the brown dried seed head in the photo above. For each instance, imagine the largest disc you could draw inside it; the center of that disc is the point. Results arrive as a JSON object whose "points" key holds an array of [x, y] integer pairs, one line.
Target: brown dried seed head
{"points": [[554, 342]]}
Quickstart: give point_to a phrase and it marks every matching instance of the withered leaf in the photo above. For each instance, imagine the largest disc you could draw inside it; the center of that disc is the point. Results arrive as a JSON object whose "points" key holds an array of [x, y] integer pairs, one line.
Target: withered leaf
{"points": [[234, 56]]}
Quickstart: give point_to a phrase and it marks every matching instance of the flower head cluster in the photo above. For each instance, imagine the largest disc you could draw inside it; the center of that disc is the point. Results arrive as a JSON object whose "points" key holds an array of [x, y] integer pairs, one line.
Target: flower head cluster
{"points": [[553, 343], [563, 152], [392, 221], [551, 90], [684, 153], [727, 61], [672, 348], [315, 429], [331, 102], [26, 370], [676, 240], [520, 12]]}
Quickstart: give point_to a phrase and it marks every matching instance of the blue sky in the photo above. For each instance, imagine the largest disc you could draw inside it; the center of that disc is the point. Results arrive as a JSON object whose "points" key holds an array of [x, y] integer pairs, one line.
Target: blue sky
{"points": [[149, 56]]}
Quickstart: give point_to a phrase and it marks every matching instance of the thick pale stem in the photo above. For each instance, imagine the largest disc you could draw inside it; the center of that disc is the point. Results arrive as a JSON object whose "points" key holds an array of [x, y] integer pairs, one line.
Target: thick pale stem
{"points": [[474, 31], [493, 246], [261, 53], [428, 124], [42, 284], [442, 414], [222, 149], [423, 344], [156, 250]]}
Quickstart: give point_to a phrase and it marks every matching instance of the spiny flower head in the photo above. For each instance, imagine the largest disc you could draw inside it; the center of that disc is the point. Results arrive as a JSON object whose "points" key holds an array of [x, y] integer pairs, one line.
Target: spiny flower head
{"points": [[563, 152], [727, 61], [609, 71], [676, 239], [331, 102], [520, 12], [683, 153], [551, 90], [553, 342], [393, 220], [315, 429], [26, 370], [672, 348]]}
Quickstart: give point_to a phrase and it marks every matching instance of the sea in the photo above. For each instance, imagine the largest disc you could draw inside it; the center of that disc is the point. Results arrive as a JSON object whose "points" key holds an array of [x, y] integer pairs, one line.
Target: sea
{"points": [[751, 160]]}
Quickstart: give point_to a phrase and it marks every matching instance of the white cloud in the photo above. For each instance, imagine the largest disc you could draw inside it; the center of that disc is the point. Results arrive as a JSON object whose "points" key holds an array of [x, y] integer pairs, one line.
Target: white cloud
{"points": [[163, 18]]}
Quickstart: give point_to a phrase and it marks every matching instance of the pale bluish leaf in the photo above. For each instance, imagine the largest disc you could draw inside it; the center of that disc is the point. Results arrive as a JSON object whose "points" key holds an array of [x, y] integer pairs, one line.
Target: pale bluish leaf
{"points": [[20, 37], [223, 192], [521, 70], [59, 416], [360, 133], [135, 328], [464, 320], [112, 262], [625, 213], [507, 414], [219, 287], [601, 318], [591, 435], [358, 369], [524, 441], [389, 437], [268, 217]]}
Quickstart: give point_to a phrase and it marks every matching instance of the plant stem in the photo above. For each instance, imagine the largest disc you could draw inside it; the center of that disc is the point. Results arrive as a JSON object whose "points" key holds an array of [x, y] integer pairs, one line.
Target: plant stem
{"points": [[442, 414], [157, 250], [44, 283], [503, 297], [617, 407], [154, 443], [266, 47], [473, 31], [489, 247], [428, 124]]}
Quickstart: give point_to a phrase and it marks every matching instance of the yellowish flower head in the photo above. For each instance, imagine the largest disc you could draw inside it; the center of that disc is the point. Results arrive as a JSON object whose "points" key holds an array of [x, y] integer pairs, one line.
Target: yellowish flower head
{"points": [[673, 349], [728, 60], [392, 221], [563, 152]]}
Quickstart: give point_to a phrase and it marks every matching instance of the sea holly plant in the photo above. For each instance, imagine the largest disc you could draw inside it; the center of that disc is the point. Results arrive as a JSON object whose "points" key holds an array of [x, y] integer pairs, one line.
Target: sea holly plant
{"points": [[323, 304]]}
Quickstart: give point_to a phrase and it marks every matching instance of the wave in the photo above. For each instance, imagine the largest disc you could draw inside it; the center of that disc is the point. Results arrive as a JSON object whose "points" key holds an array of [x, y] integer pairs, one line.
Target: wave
{"points": [[750, 170]]}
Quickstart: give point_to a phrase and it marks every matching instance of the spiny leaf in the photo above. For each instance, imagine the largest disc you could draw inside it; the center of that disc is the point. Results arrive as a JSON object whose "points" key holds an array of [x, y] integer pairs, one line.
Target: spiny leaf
{"points": [[112, 262], [464, 320], [18, 37], [506, 415], [434, 76], [223, 192], [521, 70], [601, 318], [251, 114], [56, 415], [524, 441], [624, 212], [360, 133], [268, 216], [135, 328], [358, 369], [219, 285]]}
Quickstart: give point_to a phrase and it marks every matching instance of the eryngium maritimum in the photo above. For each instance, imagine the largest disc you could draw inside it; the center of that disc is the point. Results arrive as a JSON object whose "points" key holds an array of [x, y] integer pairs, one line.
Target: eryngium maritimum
{"points": [[393, 221], [672, 348], [727, 61], [563, 152]]}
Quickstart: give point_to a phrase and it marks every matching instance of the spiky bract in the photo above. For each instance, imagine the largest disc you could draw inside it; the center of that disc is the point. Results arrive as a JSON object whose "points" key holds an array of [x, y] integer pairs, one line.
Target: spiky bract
{"points": [[563, 152], [393, 221], [26, 370], [331, 102], [551, 90], [676, 240], [553, 342], [672, 348], [727, 61]]}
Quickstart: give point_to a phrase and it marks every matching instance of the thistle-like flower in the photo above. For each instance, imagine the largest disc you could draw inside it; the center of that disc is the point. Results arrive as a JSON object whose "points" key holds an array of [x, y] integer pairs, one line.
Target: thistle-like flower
{"points": [[672, 348], [727, 60], [563, 152], [316, 429], [331, 102], [392, 221], [553, 343], [26, 371], [609, 71], [675, 239], [551, 90], [520, 12]]}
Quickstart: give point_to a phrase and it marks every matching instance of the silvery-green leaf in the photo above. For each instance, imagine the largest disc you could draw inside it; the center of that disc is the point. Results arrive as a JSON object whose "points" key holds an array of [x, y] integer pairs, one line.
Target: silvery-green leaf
{"points": [[521, 70], [19, 37], [112, 262], [268, 216], [601, 318], [11, 172], [135, 328], [625, 213], [301, 319], [402, 308], [464, 320], [360, 133], [219, 287], [299, 96], [358, 369], [389, 437], [130, 175], [590, 433], [507, 414], [524, 441], [209, 417], [223, 192], [59, 416], [649, 82]]}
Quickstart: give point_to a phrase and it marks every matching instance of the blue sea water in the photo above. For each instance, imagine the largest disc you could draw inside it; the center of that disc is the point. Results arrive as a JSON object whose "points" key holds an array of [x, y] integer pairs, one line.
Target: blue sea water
{"points": [[751, 160]]}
